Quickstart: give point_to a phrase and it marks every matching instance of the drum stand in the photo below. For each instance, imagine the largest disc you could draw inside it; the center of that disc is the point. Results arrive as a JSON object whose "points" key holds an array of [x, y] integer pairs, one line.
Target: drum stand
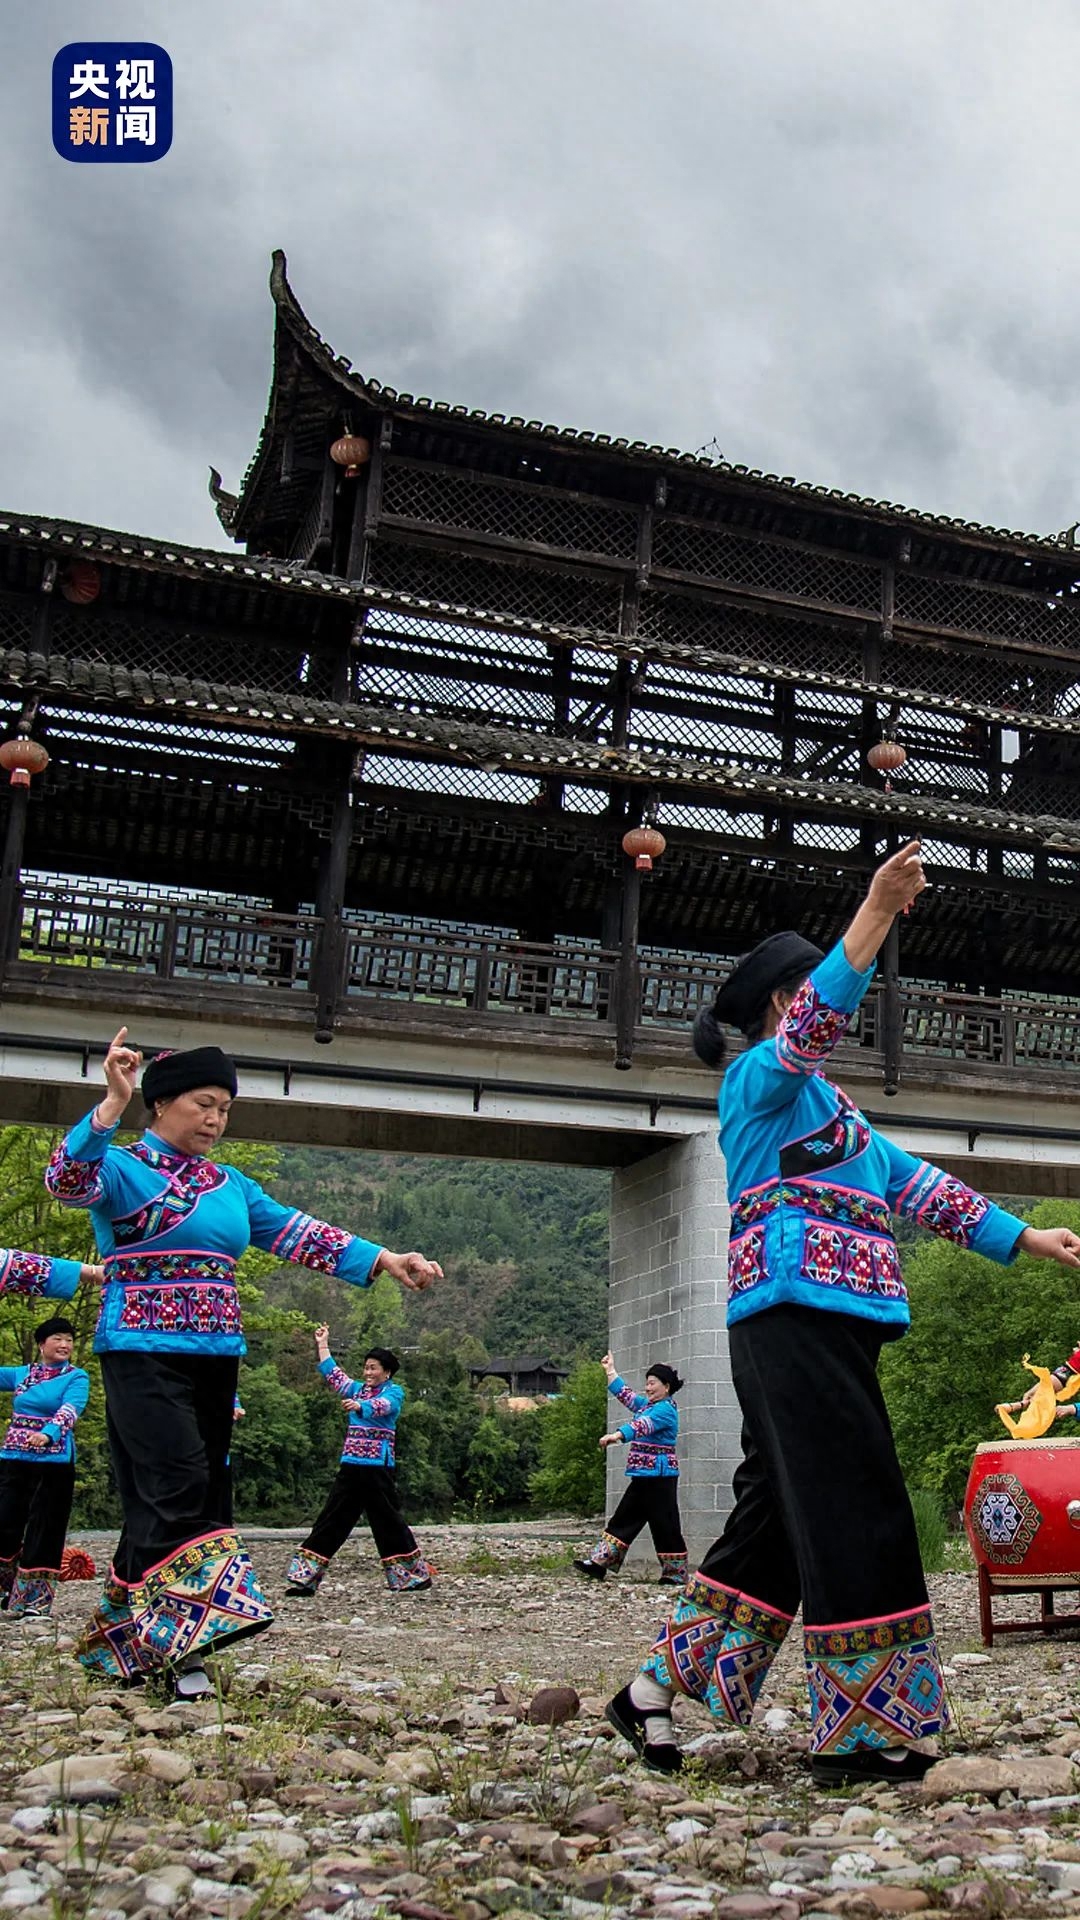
{"points": [[1047, 1622]]}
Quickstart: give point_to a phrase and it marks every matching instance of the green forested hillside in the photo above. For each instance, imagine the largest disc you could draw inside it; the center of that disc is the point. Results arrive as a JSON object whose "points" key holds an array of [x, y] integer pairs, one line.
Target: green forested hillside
{"points": [[524, 1248]]}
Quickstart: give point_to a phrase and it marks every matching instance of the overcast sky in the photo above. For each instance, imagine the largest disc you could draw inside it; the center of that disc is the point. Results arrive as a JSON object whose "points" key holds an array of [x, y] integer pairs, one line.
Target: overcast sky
{"points": [[839, 237]]}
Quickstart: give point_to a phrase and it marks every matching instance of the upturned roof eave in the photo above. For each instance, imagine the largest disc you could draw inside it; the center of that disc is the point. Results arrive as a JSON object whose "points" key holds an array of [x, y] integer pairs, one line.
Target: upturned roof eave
{"points": [[294, 334]]}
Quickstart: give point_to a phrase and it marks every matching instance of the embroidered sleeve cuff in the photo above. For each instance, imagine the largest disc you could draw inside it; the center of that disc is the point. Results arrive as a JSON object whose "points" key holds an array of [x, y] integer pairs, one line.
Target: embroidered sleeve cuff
{"points": [[64, 1279], [997, 1235]]}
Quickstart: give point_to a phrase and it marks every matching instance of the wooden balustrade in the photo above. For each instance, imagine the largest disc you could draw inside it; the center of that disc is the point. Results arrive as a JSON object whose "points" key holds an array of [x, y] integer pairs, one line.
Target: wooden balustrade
{"points": [[197, 946]]}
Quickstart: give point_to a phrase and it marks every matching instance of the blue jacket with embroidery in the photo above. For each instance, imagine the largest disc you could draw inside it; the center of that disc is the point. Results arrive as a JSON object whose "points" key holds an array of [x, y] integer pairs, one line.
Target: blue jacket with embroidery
{"points": [[171, 1228], [48, 1400], [813, 1187], [38, 1273], [369, 1438], [652, 1433]]}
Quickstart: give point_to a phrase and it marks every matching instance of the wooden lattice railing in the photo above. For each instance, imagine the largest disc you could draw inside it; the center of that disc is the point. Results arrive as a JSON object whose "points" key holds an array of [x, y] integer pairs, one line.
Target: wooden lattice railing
{"points": [[196, 948]]}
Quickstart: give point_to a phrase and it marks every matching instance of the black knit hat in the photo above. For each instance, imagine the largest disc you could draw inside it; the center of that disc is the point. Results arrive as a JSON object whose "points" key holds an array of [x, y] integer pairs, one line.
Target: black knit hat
{"points": [[666, 1375], [172, 1073], [55, 1325], [388, 1361], [779, 961]]}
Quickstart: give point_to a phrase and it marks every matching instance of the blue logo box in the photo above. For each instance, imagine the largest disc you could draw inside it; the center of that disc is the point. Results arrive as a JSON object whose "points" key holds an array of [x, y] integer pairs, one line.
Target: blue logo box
{"points": [[112, 102]]}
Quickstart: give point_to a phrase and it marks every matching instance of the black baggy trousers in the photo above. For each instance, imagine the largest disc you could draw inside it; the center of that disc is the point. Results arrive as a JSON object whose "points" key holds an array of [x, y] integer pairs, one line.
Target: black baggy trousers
{"points": [[821, 1513], [649, 1501], [170, 1422], [360, 1492], [35, 1507]]}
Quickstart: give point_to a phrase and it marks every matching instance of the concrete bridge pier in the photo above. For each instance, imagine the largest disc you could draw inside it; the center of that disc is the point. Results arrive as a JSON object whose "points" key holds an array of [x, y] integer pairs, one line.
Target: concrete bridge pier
{"points": [[669, 1233]]}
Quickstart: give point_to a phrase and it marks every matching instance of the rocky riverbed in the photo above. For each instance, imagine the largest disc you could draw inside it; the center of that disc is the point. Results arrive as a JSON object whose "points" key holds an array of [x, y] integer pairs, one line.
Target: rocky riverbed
{"points": [[379, 1754]]}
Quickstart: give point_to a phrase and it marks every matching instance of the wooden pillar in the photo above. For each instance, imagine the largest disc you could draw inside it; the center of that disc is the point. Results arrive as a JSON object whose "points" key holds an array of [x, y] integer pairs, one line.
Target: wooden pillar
{"points": [[330, 902], [892, 1010], [628, 972], [368, 504], [11, 859]]}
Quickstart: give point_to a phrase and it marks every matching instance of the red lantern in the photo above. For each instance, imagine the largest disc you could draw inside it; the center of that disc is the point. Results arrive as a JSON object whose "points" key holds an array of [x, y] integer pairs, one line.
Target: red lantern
{"points": [[81, 583], [352, 452], [21, 758], [887, 757], [644, 845]]}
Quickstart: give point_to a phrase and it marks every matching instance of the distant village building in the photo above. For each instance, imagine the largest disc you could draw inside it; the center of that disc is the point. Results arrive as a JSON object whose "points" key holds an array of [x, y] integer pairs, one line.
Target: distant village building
{"points": [[529, 1375]]}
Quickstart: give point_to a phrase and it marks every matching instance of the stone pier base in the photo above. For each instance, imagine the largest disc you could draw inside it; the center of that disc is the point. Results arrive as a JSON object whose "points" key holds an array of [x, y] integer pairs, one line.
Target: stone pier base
{"points": [[669, 1233]]}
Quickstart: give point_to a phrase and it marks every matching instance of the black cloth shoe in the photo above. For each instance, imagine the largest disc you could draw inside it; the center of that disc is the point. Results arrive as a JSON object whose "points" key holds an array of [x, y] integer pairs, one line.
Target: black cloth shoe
{"points": [[659, 1756], [300, 1593], [849, 1769], [590, 1568]]}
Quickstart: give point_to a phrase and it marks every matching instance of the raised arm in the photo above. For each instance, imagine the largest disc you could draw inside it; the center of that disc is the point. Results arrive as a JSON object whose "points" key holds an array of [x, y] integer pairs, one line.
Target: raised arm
{"points": [[820, 1012], [336, 1377], [78, 1173]]}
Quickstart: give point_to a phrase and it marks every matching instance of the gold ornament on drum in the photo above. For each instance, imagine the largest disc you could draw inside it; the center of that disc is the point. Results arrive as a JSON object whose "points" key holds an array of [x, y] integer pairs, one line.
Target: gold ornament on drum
{"points": [[1041, 1411]]}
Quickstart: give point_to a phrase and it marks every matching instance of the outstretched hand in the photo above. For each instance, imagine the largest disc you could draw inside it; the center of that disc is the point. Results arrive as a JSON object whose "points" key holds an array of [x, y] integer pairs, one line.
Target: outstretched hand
{"points": [[1051, 1243], [413, 1270], [608, 1364], [610, 1439]]}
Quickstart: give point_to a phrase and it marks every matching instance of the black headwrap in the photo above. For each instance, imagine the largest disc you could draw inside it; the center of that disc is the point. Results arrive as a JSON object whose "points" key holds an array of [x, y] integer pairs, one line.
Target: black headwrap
{"points": [[173, 1073], [55, 1325], [782, 960], [666, 1375], [388, 1361]]}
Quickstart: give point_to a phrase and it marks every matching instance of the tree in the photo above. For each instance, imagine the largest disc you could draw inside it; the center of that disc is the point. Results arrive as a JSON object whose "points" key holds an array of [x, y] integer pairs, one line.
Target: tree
{"points": [[571, 1474]]}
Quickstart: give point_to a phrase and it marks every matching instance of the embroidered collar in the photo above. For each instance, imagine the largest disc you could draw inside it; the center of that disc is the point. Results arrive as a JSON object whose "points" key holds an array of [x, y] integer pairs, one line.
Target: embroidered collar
{"points": [[159, 1152], [43, 1370]]}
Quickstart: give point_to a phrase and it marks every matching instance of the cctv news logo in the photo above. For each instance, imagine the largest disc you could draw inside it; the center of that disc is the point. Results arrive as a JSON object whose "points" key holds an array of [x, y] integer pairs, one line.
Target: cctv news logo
{"points": [[112, 102]]}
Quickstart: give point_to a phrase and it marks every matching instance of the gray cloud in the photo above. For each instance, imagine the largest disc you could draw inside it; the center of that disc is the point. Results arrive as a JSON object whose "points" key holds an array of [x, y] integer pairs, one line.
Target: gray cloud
{"points": [[840, 239]]}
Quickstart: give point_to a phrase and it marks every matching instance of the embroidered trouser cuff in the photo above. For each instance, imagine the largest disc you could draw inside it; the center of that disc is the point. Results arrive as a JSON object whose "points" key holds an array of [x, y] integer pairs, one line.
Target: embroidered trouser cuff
{"points": [[33, 1591], [609, 1552], [718, 1646], [203, 1596], [109, 1646], [406, 1570], [874, 1683], [307, 1570], [674, 1569]]}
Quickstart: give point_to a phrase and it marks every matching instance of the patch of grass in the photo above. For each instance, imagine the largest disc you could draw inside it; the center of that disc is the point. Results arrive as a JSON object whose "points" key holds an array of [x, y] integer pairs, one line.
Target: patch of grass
{"points": [[932, 1528]]}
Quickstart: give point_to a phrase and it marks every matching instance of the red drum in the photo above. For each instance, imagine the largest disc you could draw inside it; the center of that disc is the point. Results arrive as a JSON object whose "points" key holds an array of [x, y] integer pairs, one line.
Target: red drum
{"points": [[1022, 1514]]}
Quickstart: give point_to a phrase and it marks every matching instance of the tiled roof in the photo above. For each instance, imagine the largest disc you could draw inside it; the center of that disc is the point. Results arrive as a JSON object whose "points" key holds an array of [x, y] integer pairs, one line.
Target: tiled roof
{"points": [[62, 538], [502, 749], [780, 486]]}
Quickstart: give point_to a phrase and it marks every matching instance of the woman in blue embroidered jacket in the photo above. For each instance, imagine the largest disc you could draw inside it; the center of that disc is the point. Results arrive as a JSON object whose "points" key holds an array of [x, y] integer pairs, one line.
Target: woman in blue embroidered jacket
{"points": [[366, 1481], [652, 1466], [821, 1513], [37, 1469], [172, 1224]]}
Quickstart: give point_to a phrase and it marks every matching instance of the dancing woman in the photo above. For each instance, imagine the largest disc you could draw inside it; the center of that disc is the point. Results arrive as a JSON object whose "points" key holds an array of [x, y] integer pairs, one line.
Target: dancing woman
{"points": [[172, 1225], [366, 1482], [37, 1470], [821, 1513], [652, 1466]]}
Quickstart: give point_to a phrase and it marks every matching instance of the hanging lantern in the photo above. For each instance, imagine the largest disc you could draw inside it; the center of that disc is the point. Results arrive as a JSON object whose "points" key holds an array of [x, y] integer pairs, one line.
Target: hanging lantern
{"points": [[887, 757], [81, 583], [352, 452], [21, 758], [644, 845]]}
